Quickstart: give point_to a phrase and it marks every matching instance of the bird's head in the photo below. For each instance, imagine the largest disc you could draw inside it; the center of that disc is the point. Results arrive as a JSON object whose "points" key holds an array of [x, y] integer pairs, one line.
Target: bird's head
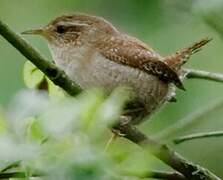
{"points": [[74, 29]]}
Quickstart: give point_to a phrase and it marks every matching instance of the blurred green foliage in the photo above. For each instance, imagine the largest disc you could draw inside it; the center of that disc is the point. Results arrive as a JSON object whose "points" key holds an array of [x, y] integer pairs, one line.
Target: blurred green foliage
{"points": [[165, 25], [56, 138]]}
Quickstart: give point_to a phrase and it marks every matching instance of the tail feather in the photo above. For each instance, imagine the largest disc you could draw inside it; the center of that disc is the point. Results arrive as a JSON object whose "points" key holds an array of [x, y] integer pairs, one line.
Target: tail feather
{"points": [[176, 60]]}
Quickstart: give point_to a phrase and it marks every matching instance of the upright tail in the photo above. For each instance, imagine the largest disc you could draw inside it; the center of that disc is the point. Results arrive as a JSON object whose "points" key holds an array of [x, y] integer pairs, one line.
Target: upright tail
{"points": [[176, 60]]}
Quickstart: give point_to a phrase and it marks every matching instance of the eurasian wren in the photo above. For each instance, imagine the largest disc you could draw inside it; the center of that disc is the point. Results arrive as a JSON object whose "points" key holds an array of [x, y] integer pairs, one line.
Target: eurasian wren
{"points": [[93, 53]]}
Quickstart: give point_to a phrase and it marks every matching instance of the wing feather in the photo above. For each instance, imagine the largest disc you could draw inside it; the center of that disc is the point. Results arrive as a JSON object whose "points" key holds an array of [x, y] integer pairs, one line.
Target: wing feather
{"points": [[129, 51]]}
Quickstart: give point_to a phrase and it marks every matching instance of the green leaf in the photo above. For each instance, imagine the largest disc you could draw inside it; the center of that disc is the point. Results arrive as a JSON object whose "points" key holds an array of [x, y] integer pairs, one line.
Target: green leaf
{"points": [[35, 130], [32, 75], [55, 92]]}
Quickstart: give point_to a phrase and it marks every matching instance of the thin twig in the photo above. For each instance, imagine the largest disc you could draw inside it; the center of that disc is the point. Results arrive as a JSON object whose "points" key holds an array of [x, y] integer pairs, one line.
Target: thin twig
{"points": [[199, 74], [155, 175], [198, 136], [188, 121], [188, 169]]}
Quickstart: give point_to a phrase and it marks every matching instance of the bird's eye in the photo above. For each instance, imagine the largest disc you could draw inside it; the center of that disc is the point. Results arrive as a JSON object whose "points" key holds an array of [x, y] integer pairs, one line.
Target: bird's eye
{"points": [[61, 29]]}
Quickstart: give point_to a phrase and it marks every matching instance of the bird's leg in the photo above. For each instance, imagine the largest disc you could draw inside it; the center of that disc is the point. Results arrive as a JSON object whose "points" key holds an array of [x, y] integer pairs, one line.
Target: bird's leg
{"points": [[127, 118], [110, 141], [115, 132]]}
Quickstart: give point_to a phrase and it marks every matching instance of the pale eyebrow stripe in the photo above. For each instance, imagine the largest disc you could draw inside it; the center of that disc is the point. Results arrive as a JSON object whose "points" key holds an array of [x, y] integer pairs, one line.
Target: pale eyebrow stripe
{"points": [[73, 24]]}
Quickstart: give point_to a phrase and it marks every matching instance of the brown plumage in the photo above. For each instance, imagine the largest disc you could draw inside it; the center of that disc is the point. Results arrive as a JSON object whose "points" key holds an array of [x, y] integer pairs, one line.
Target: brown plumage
{"points": [[176, 60], [128, 51], [93, 53]]}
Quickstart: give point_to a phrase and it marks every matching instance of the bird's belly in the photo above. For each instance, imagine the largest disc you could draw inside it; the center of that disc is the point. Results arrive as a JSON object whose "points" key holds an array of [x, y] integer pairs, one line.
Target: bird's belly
{"points": [[101, 72]]}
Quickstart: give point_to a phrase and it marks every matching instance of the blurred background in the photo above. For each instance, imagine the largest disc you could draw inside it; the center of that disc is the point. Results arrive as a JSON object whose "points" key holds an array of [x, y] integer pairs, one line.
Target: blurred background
{"points": [[166, 25]]}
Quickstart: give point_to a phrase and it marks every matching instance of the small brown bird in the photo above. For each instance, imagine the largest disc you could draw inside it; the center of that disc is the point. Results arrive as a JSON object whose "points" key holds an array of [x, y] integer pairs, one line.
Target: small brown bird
{"points": [[93, 53]]}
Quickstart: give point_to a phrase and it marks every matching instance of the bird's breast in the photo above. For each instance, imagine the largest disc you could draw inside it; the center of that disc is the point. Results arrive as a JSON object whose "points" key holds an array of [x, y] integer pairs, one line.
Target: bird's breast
{"points": [[91, 69]]}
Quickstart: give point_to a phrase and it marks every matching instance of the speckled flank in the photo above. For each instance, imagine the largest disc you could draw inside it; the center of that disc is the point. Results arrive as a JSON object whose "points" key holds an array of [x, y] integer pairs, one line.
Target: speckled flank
{"points": [[93, 53], [101, 72], [129, 51]]}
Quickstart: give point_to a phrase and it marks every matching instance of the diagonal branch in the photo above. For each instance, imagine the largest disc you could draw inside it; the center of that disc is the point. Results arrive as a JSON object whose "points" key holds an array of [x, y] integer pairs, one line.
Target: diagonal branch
{"points": [[168, 156], [49, 69], [198, 136], [165, 154]]}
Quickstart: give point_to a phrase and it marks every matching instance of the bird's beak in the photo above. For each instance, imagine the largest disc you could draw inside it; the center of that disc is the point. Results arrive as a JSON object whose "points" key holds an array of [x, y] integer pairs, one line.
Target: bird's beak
{"points": [[34, 32]]}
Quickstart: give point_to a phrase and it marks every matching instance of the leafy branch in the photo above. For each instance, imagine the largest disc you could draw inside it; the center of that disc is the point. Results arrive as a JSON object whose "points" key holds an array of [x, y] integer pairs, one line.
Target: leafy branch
{"points": [[198, 136], [161, 151]]}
